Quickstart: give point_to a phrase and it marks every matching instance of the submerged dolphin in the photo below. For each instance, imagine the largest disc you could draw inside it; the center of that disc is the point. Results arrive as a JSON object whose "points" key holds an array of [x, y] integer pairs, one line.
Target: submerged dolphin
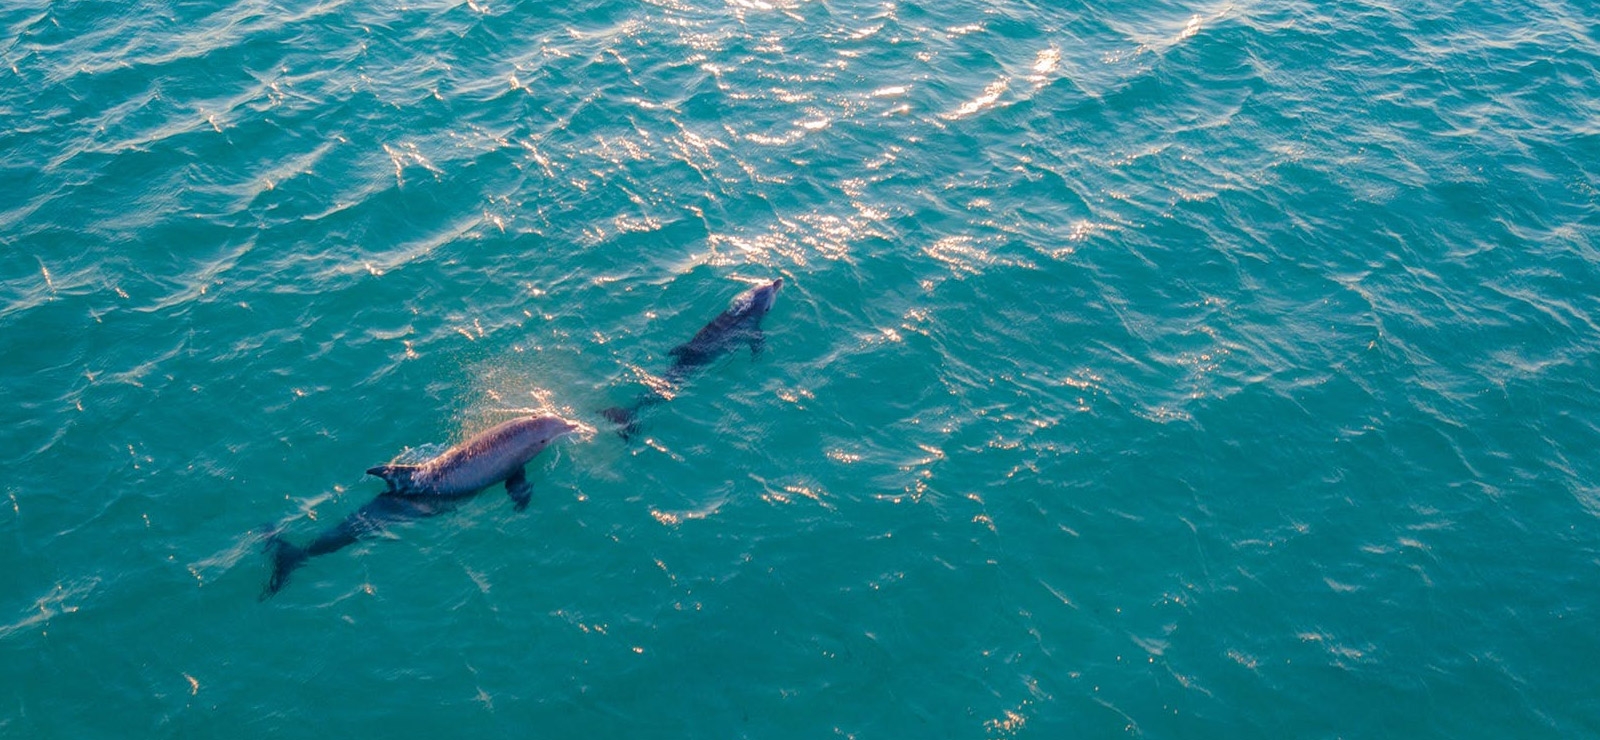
{"points": [[740, 324], [433, 487]]}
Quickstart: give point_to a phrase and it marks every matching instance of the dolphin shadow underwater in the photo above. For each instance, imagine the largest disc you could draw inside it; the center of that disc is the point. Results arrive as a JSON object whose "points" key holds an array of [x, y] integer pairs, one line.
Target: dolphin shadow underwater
{"points": [[739, 325], [431, 488]]}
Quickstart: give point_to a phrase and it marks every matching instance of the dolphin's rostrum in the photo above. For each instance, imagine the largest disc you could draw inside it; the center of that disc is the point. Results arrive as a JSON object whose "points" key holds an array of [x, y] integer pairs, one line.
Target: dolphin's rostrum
{"points": [[433, 487], [740, 324]]}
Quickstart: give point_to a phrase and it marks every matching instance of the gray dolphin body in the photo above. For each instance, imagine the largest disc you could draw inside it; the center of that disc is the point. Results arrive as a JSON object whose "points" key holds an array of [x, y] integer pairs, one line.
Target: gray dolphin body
{"points": [[740, 324], [432, 488]]}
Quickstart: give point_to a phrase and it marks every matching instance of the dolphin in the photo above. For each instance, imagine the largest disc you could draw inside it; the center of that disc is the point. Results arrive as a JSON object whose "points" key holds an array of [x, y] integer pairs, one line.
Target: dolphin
{"points": [[740, 324], [431, 488]]}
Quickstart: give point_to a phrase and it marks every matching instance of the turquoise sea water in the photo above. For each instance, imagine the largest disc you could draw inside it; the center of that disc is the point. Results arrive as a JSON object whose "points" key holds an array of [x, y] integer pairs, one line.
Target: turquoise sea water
{"points": [[1151, 369]]}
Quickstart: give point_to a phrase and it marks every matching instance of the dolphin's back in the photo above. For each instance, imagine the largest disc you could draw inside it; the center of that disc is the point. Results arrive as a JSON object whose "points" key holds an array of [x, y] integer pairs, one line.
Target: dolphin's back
{"points": [[484, 460], [744, 313]]}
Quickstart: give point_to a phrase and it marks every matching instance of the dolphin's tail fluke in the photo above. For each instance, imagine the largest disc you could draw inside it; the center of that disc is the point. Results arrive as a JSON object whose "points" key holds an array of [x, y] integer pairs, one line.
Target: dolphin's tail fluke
{"points": [[286, 557], [627, 418]]}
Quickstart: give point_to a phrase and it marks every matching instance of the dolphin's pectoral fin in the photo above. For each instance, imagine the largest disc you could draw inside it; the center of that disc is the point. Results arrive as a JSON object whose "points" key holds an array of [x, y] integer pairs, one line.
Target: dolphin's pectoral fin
{"points": [[758, 342], [520, 490]]}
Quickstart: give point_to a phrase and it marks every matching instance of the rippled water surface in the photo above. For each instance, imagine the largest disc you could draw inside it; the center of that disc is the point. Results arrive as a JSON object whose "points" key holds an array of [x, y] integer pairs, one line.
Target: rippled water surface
{"points": [[1158, 369]]}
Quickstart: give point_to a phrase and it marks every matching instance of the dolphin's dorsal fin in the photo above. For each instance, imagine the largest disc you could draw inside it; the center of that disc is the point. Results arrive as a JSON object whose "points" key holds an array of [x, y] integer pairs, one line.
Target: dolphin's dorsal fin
{"points": [[397, 476]]}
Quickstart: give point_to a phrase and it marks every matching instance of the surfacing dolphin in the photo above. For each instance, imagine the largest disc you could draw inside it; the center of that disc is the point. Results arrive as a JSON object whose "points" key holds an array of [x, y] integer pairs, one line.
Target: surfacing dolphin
{"points": [[431, 488], [740, 324]]}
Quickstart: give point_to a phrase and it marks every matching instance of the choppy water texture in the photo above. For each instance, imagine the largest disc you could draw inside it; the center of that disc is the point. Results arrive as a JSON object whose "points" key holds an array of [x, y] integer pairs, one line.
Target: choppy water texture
{"points": [[1164, 369]]}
